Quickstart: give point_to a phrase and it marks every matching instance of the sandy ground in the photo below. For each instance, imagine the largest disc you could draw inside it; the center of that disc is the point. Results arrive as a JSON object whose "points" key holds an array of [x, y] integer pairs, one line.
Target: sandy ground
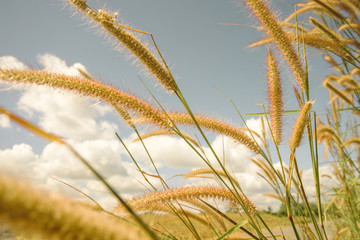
{"points": [[289, 233], [5, 233]]}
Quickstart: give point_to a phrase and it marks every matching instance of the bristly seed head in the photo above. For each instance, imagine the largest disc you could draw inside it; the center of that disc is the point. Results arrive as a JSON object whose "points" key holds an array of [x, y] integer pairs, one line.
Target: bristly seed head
{"points": [[275, 31], [131, 43], [301, 122], [275, 97]]}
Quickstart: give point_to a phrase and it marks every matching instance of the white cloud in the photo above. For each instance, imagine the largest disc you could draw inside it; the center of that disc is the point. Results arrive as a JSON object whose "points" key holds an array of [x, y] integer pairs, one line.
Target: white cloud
{"points": [[66, 114], [10, 62], [168, 151], [18, 160], [4, 121], [53, 63], [78, 120]]}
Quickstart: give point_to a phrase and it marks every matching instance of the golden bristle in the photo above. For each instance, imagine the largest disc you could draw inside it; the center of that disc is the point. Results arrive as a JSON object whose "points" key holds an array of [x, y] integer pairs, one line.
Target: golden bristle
{"points": [[300, 125], [131, 43], [275, 97], [275, 31], [26, 209]]}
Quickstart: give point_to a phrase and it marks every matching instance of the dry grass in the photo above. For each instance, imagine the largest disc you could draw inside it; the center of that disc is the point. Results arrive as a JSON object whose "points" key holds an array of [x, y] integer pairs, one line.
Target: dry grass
{"points": [[333, 27]]}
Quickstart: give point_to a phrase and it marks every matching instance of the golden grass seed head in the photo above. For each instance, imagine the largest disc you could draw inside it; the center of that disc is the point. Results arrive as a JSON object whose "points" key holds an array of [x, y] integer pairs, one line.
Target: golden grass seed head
{"points": [[217, 126], [339, 93], [326, 132], [275, 31], [301, 122], [24, 208], [85, 87], [139, 50], [355, 4], [354, 140], [275, 97], [145, 202]]}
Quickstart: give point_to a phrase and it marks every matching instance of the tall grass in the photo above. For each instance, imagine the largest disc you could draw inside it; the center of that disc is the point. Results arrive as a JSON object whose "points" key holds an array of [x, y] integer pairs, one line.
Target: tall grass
{"points": [[333, 27]]}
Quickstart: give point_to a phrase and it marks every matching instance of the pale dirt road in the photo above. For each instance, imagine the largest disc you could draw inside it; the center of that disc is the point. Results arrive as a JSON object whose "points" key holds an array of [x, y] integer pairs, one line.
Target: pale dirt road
{"points": [[289, 233]]}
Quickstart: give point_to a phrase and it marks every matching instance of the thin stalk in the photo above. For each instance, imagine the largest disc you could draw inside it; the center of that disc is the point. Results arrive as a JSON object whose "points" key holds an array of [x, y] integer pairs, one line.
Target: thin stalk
{"points": [[306, 201], [152, 162], [315, 165], [288, 193], [133, 159], [191, 227], [182, 99], [175, 128], [127, 207], [227, 218]]}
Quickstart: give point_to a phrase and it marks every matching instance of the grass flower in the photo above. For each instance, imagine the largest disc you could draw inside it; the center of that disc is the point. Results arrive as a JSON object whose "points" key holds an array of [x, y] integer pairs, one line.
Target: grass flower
{"points": [[27, 209], [145, 202], [300, 125], [275, 31], [167, 132], [211, 171], [84, 87], [139, 50], [275, 97]]}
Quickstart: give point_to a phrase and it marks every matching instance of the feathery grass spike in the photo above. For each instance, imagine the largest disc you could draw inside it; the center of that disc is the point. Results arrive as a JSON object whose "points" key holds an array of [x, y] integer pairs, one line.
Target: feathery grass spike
{"points": [[85, 87], [275, 97], [217, 126], [141, 52], [167, 132], [275, 31], [211, 171], [145, 202], [300, 125], [24, 208]]}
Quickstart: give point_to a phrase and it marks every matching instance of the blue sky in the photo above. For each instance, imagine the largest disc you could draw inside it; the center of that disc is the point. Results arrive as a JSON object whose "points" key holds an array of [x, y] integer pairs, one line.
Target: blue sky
{"points": [[202, 51]]}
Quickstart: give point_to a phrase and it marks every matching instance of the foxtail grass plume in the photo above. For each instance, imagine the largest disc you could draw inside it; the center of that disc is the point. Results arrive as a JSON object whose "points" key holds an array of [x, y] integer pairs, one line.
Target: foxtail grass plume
{"points": [[139, 50], [167, 132], [324, 131], [303, 8], [339, 93], [213, 172], [275, 31], [211, 124], [145, 202], [329, 7], [274, 92], [217, 126], [311, 40], [333, 63], [85, 87], [355, 3], [26, 209], [301, 122], [354, 140], [115, 97], [325, 29], [161, 207]]}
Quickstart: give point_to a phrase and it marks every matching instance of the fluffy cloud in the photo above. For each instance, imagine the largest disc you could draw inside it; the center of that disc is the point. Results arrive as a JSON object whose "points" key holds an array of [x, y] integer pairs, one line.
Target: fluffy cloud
{"points": [[168, 151], [83, 123], [10, 62], [18, 160]]}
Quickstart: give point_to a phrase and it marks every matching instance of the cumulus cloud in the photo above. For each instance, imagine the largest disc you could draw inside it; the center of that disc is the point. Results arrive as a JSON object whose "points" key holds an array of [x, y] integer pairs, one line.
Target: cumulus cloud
{"points": [[55, 64], [168, 151], [10, 62], [18, 160], [66, 114], [83, 123]]}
